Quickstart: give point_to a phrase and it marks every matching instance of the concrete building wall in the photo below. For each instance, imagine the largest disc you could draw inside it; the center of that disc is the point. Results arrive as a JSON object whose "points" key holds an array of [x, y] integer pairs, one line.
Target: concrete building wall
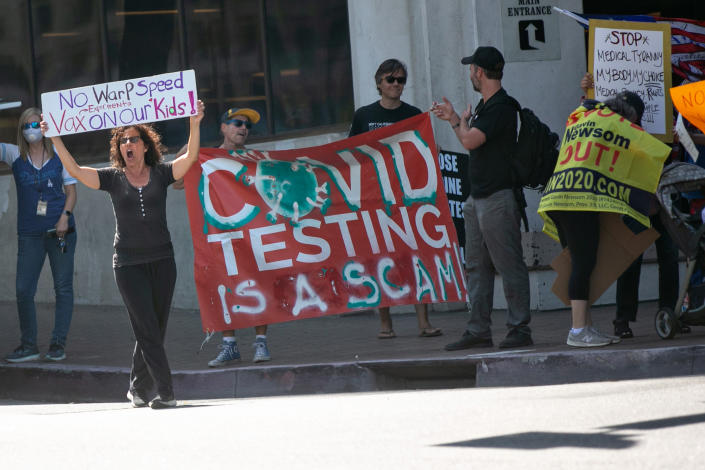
{"points": [[430, 36]]}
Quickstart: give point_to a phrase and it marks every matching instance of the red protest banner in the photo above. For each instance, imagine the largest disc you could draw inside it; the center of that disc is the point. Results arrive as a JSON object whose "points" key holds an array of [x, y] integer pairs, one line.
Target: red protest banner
{"points": [[355, 224]]}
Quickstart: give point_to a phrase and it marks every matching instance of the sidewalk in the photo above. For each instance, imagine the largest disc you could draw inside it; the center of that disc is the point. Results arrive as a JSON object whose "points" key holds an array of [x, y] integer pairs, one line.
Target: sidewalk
{"points": [[335, 354]]}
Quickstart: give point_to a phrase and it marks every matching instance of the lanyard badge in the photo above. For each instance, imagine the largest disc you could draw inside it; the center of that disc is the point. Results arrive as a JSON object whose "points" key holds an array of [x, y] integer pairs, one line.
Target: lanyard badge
{"points": [[41, 207]]}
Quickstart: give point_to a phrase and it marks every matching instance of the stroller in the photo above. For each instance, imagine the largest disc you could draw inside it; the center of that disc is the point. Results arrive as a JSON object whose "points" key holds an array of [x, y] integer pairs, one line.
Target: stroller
{"points": [[681, 193]]}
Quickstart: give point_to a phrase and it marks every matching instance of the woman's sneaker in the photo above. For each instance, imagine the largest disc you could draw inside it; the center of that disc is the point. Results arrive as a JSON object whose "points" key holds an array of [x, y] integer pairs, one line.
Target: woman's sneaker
{"points": [[160, 403], [228, 353], [56, 353], [587, 338], [136, 400], [23, 354]]}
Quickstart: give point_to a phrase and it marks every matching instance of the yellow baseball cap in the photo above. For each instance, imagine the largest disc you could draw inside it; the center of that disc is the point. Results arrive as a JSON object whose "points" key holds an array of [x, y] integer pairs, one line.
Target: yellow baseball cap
{"points": [[250, 114]]}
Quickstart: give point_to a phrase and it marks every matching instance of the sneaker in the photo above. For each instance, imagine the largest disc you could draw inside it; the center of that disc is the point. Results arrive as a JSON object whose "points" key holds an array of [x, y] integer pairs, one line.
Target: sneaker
{"points": [[136, 399], [587, 338], [228, 353], [261, 351], [516, 339], [56, 353], [613, 339], [23, 354], [622, 330], [469, 340], [160, 403]]}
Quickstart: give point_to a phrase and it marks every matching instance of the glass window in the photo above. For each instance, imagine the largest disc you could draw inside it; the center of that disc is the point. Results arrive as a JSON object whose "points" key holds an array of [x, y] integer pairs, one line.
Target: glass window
{"points": [[68, 54], [309, 51], [67, 45], [225, 49], [16, 91], [143, 40], [289, 61]]}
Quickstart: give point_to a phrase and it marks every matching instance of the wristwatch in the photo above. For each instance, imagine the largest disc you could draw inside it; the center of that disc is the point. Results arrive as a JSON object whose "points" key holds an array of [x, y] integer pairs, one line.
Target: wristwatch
{"points": [[68, 213]]}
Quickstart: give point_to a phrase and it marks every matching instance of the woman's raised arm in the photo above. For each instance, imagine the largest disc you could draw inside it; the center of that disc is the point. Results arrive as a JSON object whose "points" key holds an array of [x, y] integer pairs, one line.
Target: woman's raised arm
{"points": [[84, 174], [182, 164]]}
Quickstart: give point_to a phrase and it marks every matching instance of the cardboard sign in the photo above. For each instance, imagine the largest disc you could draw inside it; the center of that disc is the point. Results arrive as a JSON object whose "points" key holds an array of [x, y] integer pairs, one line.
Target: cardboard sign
{"points": [[355, 224], [114, 104], [634, 56], [690, 102], [618, 249]]}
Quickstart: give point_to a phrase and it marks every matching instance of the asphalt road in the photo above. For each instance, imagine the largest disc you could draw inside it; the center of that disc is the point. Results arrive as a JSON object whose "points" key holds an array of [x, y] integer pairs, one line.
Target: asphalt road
{"points": [[646, 424]]}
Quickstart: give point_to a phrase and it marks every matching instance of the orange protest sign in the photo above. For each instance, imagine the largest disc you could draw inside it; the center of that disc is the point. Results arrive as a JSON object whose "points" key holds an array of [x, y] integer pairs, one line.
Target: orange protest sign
{"points": [[690, 102]]}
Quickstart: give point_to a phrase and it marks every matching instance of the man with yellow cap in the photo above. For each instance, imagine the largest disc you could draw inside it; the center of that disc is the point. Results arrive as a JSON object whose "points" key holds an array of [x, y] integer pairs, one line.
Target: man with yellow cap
{"points": [[235, 125]]}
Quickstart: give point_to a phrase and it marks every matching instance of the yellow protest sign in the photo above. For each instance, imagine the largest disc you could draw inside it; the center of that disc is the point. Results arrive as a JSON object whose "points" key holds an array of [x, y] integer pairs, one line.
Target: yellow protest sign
{"points": [[690, 102], [605, 164]]}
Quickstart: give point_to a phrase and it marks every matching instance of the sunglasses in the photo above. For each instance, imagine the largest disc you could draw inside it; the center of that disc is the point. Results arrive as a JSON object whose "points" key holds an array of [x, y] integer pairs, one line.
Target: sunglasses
{"points": [[133, 140], [239, 123], [33, 125], [399, 80]]}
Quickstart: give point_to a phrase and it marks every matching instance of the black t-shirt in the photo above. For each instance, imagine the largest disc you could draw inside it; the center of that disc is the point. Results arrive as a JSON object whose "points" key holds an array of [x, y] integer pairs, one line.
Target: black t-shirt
{"points": [[373, 116], [490, 164], [141, 232]]}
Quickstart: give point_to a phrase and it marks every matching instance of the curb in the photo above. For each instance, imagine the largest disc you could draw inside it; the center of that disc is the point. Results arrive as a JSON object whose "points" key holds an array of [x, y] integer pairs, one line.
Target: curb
{"points": [[74, 383], [591, 366], [71, 383]]}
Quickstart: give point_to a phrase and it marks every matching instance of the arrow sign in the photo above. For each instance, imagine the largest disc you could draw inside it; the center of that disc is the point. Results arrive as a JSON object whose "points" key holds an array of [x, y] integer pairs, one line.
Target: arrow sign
{"points": [[531, 33], [531, 30]]}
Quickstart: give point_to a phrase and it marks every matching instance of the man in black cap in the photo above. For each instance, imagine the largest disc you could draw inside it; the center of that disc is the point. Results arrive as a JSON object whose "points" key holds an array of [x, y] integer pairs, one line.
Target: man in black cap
{"points": [[491, 212]]}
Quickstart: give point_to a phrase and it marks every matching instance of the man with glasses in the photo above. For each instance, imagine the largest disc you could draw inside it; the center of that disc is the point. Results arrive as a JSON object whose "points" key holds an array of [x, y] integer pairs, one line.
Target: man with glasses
{"points": [[491, 212], [235, 125], [390, 79]]}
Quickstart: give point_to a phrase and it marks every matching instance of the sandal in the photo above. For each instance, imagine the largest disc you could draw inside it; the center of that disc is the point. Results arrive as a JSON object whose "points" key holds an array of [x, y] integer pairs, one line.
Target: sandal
{"points": [[430, 332], [386, 334]]}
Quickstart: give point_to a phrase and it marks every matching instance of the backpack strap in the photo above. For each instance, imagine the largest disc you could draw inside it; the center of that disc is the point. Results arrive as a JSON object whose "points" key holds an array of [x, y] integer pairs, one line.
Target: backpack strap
{"points": [[518, 189]]}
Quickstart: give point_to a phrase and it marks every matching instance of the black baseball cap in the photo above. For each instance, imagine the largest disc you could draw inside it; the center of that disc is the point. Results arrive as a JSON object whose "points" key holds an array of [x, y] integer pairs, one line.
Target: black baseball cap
{"points": [[633, 100], [487, 57]]}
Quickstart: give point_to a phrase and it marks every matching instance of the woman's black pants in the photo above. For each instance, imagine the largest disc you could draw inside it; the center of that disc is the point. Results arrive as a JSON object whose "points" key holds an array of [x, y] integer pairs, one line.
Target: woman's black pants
{"points": [[580, 231], [147, 290]]}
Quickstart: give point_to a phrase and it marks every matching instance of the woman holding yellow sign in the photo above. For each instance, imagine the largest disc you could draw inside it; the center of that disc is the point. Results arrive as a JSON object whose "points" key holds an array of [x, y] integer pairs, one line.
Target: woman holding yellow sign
{"points": [[607, 163]]}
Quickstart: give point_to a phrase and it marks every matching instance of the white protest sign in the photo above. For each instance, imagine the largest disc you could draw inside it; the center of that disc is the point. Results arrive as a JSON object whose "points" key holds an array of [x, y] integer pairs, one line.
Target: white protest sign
{"points": [[114, 104], [685, 139], [634, 56]]}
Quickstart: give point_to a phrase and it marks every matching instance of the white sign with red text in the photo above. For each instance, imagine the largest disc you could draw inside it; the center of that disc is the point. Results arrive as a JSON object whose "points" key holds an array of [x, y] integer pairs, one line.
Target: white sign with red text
{"points": [[104, 106]]}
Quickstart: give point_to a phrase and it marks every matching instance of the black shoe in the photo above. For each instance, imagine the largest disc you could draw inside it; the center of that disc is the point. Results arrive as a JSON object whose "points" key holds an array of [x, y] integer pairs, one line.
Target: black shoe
{"points": [[516, 339], [685, 329], [622, 330], [136, 399], [160, 403], [469, 340]]}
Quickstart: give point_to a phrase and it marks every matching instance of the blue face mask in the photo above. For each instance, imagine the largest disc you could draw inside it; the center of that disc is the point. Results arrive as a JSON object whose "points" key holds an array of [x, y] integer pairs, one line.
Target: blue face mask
{"points": [[32, 135]]}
